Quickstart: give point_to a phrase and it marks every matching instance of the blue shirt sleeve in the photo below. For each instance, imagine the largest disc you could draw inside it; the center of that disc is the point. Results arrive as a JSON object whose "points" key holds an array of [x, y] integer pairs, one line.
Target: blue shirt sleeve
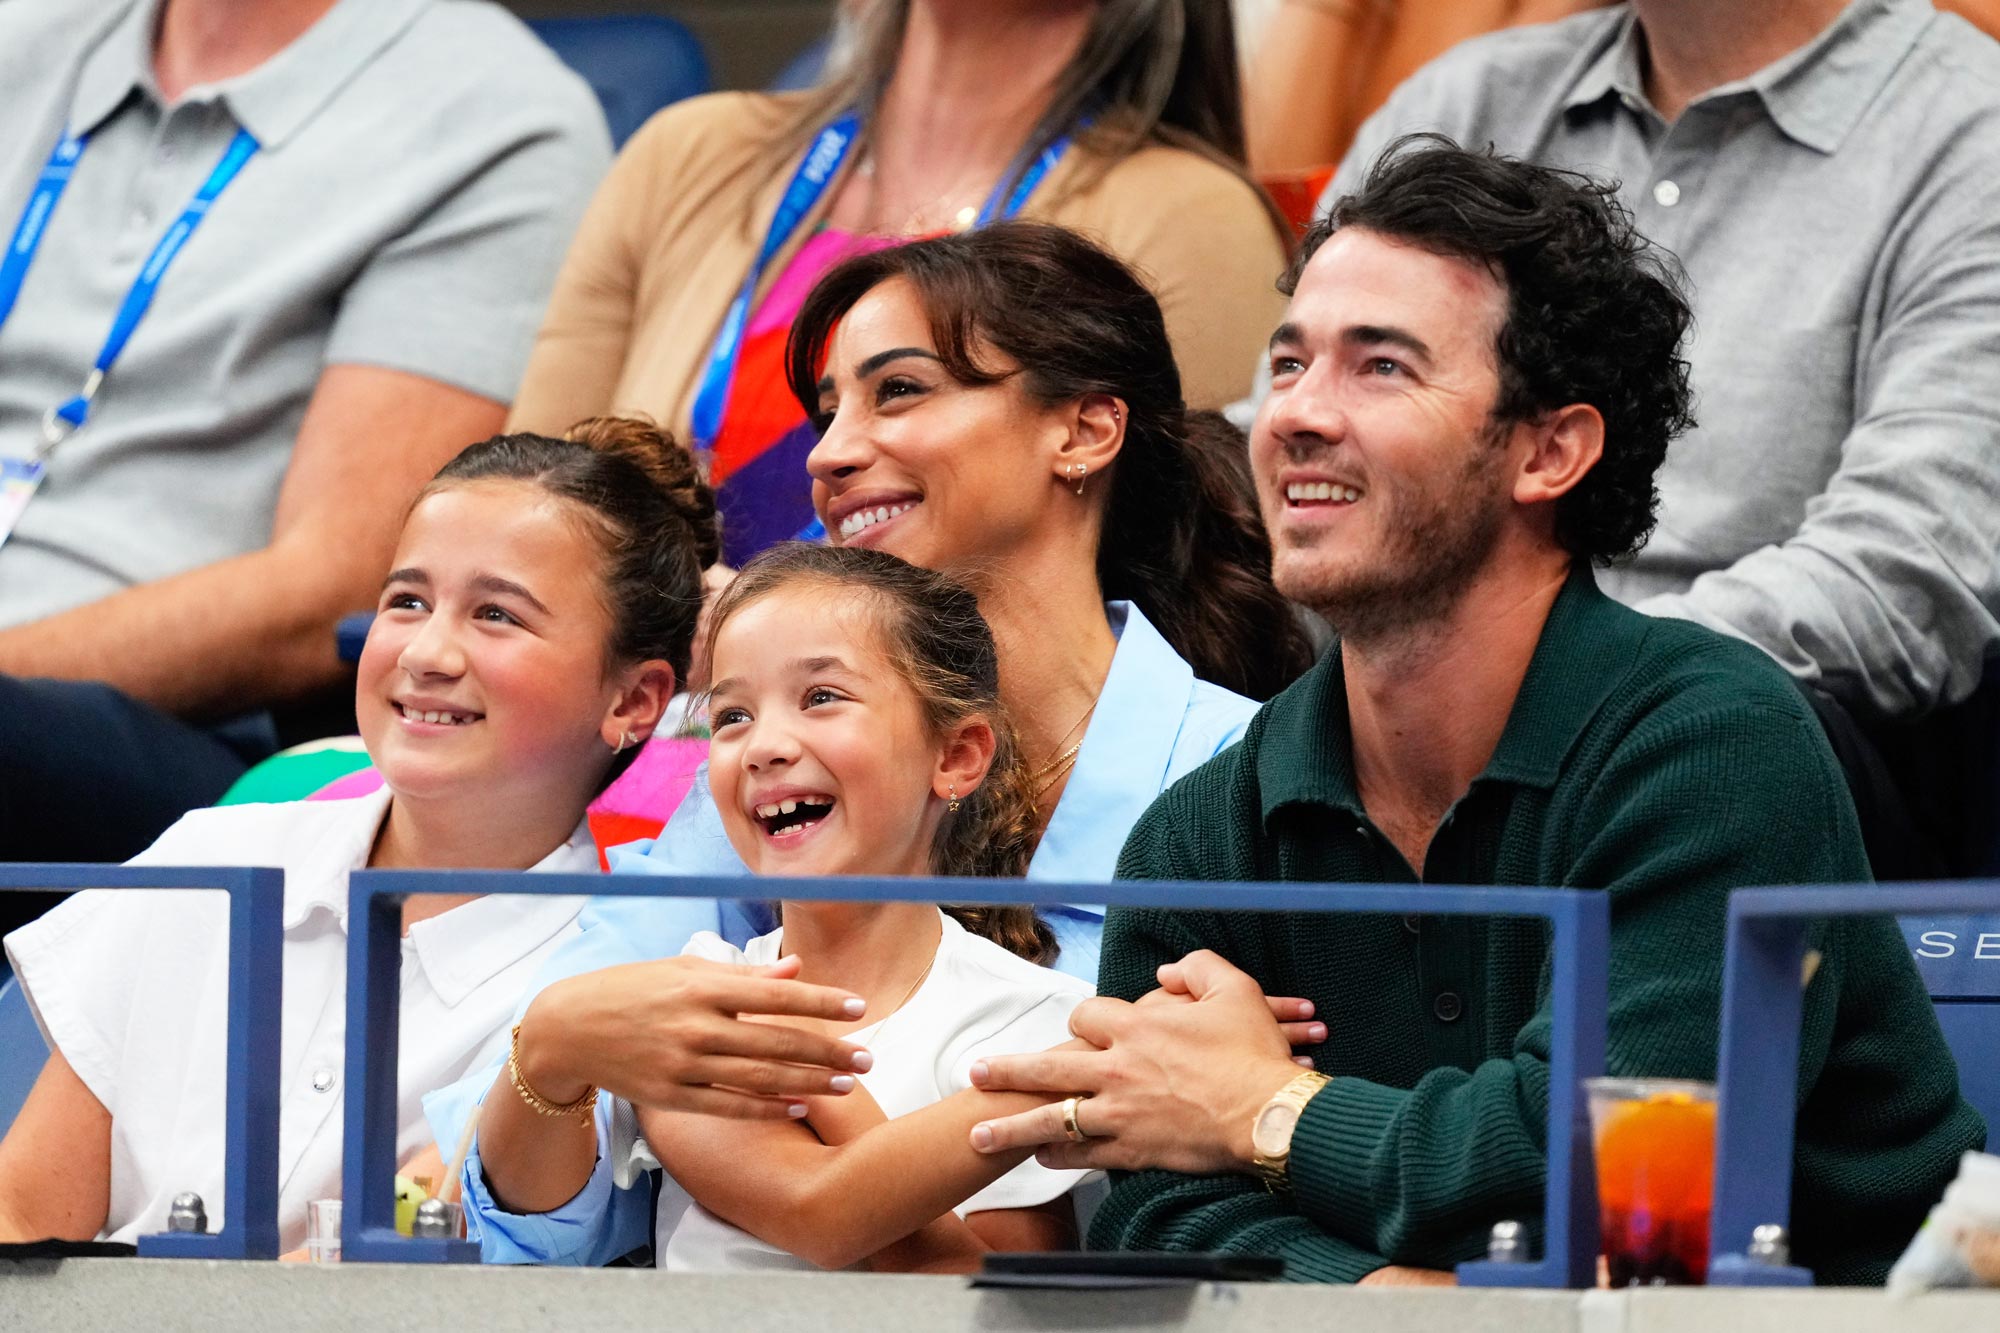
{"points": [[600, 1224]]}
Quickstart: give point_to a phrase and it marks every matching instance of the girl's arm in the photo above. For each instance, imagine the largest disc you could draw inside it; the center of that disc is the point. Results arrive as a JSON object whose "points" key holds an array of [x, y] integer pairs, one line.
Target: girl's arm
{"points": [[947, 1244], [55, 1163], [663, 1033], [839, 1204]]}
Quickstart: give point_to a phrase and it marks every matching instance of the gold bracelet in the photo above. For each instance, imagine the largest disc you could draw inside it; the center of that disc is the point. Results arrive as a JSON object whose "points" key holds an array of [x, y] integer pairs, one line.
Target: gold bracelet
{"points": [[583, 1108]]}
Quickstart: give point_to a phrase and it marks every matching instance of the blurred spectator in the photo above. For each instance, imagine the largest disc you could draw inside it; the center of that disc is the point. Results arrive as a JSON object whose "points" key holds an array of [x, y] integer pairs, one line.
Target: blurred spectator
{"points": [[1316, 69], [1120, 119], [392, 183]]}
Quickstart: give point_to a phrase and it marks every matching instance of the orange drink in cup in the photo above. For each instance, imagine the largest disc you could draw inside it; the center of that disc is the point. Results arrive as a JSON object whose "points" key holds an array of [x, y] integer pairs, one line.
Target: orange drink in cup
{"points": [[1655, 1143]]}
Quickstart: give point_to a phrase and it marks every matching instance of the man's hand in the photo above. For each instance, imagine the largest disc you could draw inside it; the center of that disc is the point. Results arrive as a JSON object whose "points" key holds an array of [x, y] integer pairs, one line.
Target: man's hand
{"points": [[1170, 1085]]}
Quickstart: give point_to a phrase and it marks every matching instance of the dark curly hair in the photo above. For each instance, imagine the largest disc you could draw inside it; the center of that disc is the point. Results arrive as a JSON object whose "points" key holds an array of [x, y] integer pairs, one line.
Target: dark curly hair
{"points": [[1595, 312]]}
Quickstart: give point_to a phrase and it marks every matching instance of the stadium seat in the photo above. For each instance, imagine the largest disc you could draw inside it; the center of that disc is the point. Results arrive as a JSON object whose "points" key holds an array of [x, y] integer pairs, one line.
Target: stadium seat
{"points": [[25, 1051], [804, 69], [635, 63]]}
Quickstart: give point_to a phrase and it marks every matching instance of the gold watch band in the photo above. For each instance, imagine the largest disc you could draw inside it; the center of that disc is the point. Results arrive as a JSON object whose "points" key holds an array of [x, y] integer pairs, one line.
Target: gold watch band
{"points": [[1274, 1168]]}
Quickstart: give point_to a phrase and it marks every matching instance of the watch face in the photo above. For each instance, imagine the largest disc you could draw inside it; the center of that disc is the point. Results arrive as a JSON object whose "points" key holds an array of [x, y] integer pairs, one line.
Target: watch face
{"points": [[1271, 1136]]}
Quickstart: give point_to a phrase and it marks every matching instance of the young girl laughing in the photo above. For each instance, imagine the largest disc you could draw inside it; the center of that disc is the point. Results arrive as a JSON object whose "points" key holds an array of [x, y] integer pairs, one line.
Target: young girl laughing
{"points": [[858, 731]]}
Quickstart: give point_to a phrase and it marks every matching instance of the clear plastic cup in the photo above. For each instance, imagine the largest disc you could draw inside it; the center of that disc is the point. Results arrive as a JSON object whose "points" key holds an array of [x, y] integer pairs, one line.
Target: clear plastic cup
{"points": [[323, 1231], [1655, 1145]]}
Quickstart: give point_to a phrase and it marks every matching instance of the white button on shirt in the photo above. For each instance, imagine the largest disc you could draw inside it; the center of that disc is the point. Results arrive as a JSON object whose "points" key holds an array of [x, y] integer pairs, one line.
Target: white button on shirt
{"points": [[132, 987]]}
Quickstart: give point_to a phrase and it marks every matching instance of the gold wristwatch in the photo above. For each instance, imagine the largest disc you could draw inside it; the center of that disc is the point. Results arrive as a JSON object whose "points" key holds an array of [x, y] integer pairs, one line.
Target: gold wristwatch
{"points": [[1271, 1130]]}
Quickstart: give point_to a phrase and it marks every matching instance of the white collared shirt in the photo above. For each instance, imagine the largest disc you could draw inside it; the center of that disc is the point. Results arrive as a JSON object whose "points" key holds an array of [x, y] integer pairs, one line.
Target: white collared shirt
{"points": [[132, 987]]}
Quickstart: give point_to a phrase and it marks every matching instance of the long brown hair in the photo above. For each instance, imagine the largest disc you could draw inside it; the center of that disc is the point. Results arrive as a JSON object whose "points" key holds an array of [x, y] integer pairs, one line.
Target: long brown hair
{"points": [[1182, 537], [932, 632], [1148, 71]]}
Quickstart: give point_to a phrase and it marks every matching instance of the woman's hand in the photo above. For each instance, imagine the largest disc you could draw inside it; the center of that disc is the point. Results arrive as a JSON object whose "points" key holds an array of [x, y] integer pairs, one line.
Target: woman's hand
{"points": [[673, 1034]]}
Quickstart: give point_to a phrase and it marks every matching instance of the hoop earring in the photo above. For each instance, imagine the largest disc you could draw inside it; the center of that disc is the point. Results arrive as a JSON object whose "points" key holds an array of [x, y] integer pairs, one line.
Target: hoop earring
{"points": [[954, 802], [1079, 471], [626, 740]]}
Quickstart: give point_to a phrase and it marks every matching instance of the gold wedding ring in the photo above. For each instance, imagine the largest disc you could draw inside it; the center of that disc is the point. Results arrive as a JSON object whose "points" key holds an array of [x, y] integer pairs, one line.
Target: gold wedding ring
{"points": [[1070, 1128]]}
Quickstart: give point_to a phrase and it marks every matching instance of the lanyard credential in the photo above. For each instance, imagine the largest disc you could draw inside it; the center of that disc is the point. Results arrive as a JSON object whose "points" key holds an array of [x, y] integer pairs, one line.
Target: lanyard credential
{"points": [[20, 478], [65, 418], [35, 219], [809, 183], [70, 416]]}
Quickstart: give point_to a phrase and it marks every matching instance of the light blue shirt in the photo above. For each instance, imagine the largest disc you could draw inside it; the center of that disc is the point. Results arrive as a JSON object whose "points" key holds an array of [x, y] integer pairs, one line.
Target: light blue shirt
{"points": [[1154, 723]]}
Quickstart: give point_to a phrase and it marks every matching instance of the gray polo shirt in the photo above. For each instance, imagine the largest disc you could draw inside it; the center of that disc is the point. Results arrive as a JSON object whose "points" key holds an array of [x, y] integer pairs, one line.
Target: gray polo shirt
{"points": [[1839, 216], [423, 165]]}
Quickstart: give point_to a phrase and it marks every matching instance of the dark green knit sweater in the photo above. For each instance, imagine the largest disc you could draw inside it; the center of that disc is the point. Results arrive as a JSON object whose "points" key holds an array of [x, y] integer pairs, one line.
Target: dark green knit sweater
{"points": [[1649, 758]]}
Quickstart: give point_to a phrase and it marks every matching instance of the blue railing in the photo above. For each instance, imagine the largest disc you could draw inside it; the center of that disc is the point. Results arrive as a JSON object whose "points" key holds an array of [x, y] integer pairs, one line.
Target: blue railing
{"points": [[1758, 1065], [1580, 928], [249, 1227]]}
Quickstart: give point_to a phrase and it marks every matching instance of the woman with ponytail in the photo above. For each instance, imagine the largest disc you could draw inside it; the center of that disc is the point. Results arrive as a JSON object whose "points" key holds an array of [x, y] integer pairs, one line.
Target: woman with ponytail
{"points": [[1002, 406]]}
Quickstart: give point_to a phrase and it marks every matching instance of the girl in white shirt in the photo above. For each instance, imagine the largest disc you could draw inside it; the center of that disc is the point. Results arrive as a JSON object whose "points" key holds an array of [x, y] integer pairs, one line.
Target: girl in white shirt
{"points": [[858, 731], [541, 607]]}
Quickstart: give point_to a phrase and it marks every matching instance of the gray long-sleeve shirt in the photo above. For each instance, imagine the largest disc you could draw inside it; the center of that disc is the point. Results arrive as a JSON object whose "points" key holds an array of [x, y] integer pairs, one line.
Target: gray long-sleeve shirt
{"points": [[1838, 215]]}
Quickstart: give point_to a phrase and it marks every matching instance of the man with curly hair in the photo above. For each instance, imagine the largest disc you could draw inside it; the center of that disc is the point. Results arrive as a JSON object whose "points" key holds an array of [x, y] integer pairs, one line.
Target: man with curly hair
{"points": [[1476, 379], [1823, 169]]}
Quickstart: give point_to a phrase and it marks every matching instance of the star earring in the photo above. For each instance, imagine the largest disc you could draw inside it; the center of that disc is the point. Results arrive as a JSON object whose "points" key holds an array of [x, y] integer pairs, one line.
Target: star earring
{"points": [[954, 801]]}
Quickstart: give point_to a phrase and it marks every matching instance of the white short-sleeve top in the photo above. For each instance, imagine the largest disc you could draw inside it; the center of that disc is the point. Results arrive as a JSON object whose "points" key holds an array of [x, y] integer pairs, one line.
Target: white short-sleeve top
{"points": [[132, 987], [978, 1000]]}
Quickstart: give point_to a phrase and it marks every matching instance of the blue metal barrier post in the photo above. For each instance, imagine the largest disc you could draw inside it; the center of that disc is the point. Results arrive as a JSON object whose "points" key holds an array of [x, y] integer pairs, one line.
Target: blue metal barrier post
{"points": [[256, 975], [1757, 1066], [1580, 940]]}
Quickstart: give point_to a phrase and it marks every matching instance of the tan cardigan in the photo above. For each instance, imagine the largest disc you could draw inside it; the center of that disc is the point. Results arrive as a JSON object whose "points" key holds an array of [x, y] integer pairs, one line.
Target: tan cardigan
{"points": [[665, 245]]}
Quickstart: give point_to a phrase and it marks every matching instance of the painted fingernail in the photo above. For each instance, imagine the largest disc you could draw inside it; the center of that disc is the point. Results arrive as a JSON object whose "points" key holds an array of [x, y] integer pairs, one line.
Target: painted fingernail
{"points": [[1303, 1061], [842, 1083], [1317, 1032], [854, 1006], [796, 1110], [978, 1074], [861, 1062], [982, 1138]]}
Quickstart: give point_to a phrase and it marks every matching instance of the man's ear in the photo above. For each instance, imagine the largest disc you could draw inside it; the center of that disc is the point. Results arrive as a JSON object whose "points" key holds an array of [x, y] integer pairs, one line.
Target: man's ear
{"points": [[643, 692], [964, 758], [1096, 435], [1563, 447]]}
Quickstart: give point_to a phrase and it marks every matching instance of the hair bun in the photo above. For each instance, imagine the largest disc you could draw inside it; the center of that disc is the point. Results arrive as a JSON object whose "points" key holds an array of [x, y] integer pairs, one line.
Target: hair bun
{"points": [[670, 466]]}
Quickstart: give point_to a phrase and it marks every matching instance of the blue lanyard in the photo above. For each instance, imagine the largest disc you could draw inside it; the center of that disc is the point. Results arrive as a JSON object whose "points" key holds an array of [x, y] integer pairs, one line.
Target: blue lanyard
{"points": [[35, 219], [808, 184], [69, 416]]}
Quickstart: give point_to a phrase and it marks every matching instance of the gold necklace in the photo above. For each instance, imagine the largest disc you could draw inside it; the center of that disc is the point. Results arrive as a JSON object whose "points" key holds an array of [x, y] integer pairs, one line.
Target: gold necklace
{"points": [[1065, 756], [916, 985]]}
